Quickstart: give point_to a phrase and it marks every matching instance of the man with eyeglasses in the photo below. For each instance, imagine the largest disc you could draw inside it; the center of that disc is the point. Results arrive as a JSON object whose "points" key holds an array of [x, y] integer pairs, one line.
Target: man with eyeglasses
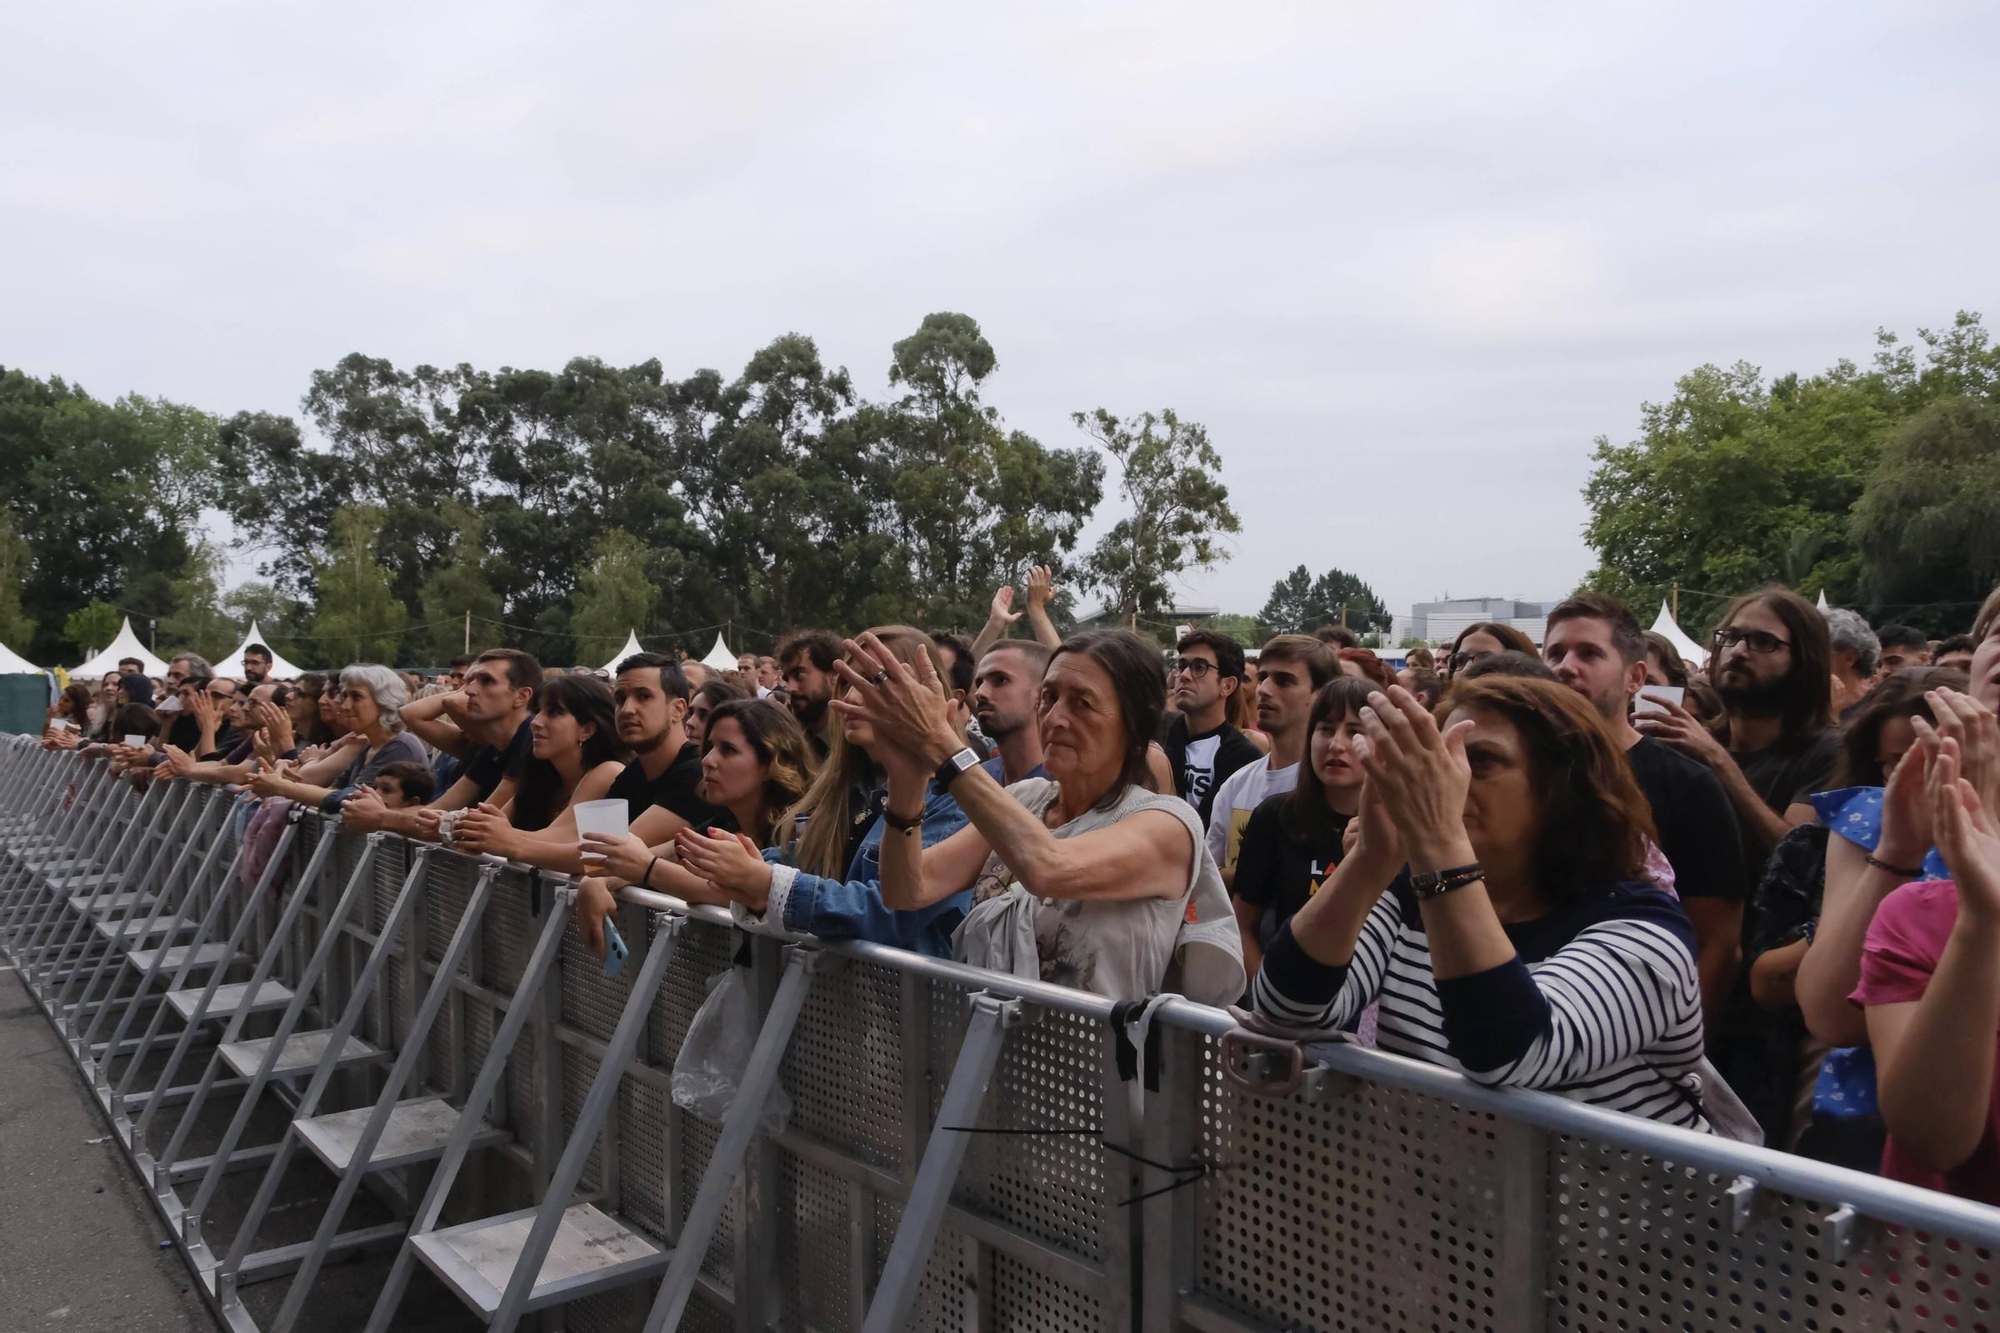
{"points": [[1202, 748], [1772, 663]]}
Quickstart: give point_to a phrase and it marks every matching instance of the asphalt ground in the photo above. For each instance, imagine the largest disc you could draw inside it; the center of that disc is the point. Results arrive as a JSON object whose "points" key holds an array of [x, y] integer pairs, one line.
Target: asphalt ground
{"points": [[80, 1247]]}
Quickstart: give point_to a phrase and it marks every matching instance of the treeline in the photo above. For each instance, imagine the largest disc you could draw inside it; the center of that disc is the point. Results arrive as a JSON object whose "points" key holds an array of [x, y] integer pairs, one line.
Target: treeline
{"points": [[1880, 487], [559, 508]]}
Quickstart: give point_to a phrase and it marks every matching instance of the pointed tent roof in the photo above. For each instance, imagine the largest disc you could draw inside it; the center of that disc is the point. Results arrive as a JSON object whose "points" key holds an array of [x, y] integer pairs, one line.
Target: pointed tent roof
{"points": [[1690, 651], [232, 665], [631, 647], [1822, 600], [126, 644], [13, 664], [719, 657]]}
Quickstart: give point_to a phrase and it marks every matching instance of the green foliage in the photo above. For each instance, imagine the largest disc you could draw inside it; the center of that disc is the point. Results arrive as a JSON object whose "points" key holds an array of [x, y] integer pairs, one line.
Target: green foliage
{"points": [[1735, 481], [16, 627], [1927, 529], [91, 628], [1244, 629], [1299, 603], [281, 619], [199, 623], [454, 591], [615, 596], [1179, 509], [358, 618]]}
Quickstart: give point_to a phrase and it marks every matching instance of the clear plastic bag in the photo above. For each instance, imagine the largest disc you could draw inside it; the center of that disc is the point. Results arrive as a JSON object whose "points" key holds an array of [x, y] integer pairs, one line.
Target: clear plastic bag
{"points": [[716, 1053]]}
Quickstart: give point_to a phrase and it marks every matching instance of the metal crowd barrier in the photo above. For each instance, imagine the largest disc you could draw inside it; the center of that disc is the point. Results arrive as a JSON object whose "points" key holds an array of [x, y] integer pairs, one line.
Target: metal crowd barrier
{"points": [[387, 1070]]}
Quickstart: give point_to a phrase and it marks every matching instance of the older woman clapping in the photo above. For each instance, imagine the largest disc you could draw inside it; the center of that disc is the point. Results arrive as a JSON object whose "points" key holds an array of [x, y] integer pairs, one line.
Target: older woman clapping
{"points": [[1495, 904], [1084, 878]]}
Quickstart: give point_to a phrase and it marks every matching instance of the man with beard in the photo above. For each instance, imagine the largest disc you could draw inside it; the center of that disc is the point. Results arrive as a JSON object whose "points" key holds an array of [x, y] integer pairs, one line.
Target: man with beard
{"points": [[256, 664], [1772, 664], [1004, 692], [659, 786], [1203, 749], [805, 661], [1595, 646]]}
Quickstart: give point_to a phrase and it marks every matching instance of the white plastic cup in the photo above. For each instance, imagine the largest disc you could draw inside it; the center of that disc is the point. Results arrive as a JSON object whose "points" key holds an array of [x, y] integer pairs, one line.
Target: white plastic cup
{"points": [[62, 724], [1651, 697], [609, 818], [136, 742]]}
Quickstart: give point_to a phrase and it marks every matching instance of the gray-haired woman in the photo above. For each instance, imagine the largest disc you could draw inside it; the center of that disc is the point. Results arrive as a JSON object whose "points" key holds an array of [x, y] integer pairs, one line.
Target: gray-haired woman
{"points": [[373, 697]]}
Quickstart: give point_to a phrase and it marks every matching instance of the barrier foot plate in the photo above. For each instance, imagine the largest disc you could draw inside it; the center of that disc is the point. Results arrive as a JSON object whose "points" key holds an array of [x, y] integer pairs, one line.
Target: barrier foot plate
{"points": [[593, 1251], [418, 1131]]}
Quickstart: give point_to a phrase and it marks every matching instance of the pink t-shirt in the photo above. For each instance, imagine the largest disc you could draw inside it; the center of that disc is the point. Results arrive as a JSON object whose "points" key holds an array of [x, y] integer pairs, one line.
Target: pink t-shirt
{"points": [[1905, 942]]}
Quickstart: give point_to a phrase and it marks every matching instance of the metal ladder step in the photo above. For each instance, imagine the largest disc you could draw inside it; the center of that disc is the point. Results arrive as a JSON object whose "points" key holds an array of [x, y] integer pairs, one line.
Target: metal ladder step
{"points": [[270, 996], [301, 1054], [130, 933], [108, 902], [418, 1131], [171, 959], [593, 1251]]}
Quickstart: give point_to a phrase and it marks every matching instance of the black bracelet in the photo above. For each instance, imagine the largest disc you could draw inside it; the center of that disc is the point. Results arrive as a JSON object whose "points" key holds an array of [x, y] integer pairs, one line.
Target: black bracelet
{"points": [[1904, 871], [646, 880], [899, 823]]}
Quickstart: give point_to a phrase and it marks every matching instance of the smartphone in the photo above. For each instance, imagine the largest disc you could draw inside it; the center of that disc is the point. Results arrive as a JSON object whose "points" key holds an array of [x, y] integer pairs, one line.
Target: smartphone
{"points": [[1651, 696], [615, 952]]}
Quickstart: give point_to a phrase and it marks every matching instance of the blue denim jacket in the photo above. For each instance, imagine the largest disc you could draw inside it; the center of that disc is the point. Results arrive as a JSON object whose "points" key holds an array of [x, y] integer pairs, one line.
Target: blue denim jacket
{"points": [[852, 909]]}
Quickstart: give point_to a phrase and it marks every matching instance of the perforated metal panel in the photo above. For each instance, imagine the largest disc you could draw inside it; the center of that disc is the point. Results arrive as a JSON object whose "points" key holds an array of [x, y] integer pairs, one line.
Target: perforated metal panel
{"points": [[845, 1064], [814, 1227], [578, 1069], [944, 1290], [644, 1117], [698, 1138], [591, 1001], [702, 952]]}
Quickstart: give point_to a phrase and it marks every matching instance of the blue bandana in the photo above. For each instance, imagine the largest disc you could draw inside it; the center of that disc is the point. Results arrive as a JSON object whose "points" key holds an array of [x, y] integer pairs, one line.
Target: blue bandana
{"points": [[1855, 813]]}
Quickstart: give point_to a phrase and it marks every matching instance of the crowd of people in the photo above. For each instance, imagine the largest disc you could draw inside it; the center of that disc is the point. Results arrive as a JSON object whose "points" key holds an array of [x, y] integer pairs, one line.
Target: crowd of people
{"points": [[1756, 895]]}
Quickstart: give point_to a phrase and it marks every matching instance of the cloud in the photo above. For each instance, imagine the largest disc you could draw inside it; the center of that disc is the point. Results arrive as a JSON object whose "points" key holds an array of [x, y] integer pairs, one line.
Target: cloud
{"points": [[1403, 262]]}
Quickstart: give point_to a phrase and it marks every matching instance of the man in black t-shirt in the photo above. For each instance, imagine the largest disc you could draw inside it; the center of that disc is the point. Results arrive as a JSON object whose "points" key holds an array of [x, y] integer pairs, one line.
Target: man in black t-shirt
{"points": [[1772, 665], [1201, 746], [485, 724], [1595, 646]]}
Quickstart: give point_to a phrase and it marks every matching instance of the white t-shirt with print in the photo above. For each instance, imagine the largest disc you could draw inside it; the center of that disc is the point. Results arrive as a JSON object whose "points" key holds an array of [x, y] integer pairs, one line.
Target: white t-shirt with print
{"points": [[1241, 793]]}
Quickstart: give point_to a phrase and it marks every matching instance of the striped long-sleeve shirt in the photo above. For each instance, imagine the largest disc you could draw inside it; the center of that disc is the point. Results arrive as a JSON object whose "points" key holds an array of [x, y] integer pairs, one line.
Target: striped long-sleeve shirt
{"points": [[1600, 1003]]}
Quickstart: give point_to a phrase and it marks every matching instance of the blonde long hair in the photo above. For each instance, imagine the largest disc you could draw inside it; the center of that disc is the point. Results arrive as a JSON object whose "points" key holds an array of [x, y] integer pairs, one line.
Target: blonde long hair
{"points": [[828, 805]]}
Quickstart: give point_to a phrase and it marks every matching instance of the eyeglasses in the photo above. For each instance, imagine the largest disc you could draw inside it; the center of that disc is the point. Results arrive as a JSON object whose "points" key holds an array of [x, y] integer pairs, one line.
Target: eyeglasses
{"points": [[1458, 662], [1756, 640], [1194, 666]]}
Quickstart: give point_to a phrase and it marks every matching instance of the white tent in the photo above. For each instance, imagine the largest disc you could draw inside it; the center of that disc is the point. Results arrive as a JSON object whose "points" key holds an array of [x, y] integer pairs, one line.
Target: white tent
{"points": [[125, 645], [1691, 652], [719, 657], [232, 665], [631, 647], [1822, 601], [13, 664]]}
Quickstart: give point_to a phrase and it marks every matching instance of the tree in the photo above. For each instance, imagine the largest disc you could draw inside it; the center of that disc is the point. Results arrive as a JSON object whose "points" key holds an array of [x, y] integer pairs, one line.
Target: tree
{"points": [[198, 623], [358, 611], [614, 597], [1927, 529], [455, 591], [91, 628], [1179, 509], [1300, 603], [281, 619], [1736, 481], [1244, 629], [16, 627]]}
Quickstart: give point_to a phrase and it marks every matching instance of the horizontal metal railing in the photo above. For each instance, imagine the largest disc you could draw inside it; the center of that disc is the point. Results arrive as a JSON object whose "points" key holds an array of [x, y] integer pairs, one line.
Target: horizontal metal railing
{"points": [[965, 1149]]}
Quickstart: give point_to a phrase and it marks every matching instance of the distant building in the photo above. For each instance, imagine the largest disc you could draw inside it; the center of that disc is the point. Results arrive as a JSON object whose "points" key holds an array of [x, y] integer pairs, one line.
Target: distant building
{"points": [[1105, 617], [1440, 622]]}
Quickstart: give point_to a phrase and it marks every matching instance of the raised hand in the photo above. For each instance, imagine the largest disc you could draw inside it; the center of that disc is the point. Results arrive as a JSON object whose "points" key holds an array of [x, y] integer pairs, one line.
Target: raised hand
{"points": [[1003, 612], [277, 726], [908, 711], [1966, 836], [1907, 804], [1041, 587], [1421, 775], [1977, 731]]}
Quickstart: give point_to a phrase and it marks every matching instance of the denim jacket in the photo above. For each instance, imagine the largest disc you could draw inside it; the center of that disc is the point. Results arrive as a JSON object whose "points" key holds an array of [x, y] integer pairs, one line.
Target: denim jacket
{"points": [[852, 909]]}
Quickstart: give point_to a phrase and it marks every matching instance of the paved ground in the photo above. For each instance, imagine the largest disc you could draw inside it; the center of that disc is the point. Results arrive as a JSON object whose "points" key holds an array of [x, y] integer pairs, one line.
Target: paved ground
{"points": [[81, 1246]]}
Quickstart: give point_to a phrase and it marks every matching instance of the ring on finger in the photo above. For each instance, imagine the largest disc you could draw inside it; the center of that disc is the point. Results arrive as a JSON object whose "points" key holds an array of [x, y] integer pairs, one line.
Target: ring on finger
{"points": [[879, 679]]}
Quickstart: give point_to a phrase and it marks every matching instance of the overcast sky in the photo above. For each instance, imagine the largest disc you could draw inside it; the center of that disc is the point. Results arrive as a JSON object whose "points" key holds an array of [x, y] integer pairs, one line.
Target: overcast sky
{"points": [[1404, 261]]}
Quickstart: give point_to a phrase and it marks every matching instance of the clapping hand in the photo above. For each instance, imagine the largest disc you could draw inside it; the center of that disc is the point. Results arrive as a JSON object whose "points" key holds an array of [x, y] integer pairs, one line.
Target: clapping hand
{"points": [[1002, 612], [730, 861], [1977, 731], [277, 726], [1041, 588], [907, 708], [1421, 776], [1967, 837]]}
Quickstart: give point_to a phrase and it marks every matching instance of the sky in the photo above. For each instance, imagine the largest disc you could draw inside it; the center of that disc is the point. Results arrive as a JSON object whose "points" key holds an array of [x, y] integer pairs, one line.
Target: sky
{"points": [[1405, 262]]}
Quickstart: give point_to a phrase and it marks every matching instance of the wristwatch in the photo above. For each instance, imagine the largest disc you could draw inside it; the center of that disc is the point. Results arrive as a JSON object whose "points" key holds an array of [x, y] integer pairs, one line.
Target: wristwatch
{"points": [[953, 768], [1432, 883]]}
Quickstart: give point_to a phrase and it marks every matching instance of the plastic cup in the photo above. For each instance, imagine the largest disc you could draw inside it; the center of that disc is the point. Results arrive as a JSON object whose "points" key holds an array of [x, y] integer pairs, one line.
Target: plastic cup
{"points": [[136, 742], [1651, 698], [606, 817], [62, 724]]}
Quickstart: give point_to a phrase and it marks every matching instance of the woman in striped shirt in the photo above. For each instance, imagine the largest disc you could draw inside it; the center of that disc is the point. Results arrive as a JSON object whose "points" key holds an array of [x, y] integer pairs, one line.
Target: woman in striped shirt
{"points": [[1494, 903]]}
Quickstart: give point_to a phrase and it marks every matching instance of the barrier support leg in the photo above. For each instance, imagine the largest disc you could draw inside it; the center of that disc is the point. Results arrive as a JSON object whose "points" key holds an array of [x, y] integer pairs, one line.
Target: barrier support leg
{"points": [[930, 1192]]}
